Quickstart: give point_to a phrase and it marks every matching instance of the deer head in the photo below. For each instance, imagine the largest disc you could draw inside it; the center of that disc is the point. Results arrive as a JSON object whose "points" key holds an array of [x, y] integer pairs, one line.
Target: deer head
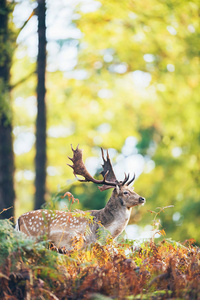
{"points": [[122, 191]]}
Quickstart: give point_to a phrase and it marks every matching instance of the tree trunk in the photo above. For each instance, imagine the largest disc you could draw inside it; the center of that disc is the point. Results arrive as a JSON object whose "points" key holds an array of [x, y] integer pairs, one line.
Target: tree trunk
{"points": [[40, 160], [7, 193]]}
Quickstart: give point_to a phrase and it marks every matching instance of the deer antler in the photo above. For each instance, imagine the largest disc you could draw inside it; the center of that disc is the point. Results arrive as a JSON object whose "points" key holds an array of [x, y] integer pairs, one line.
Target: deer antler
{"points": [[107, 168], [109, 179], [80, 169], [130, 181]]}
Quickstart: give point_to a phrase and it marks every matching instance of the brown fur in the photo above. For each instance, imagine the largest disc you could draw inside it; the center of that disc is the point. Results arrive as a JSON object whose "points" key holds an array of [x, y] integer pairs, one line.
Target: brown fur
{"points": [[61, 227]]}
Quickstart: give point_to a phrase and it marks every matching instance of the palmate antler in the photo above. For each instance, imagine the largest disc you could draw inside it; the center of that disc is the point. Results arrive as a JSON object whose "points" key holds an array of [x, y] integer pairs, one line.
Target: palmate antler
{"points": [[107, 166], [80, 169], [109, 179]]}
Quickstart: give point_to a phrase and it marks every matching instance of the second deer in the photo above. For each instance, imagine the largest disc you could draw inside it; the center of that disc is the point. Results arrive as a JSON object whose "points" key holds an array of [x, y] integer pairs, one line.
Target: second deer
{"points": [[62, 227]]}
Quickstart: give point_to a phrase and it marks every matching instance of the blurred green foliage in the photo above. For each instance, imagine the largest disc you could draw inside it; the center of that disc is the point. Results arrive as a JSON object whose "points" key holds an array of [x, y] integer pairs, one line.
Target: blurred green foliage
{"points": [[142, 80]]}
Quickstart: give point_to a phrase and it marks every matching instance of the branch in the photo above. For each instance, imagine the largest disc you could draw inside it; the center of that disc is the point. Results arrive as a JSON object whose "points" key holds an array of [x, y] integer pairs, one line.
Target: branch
{"points": [[22, 80], [5, 209], [32, 14]]}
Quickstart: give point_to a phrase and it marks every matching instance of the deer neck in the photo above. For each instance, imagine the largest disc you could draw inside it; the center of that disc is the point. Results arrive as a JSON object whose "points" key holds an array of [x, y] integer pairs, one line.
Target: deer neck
{"points": [[114, 216]]}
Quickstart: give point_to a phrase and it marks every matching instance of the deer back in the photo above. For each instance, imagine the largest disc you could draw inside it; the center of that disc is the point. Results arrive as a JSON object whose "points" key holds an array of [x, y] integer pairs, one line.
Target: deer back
{"points": [[59, 227]]}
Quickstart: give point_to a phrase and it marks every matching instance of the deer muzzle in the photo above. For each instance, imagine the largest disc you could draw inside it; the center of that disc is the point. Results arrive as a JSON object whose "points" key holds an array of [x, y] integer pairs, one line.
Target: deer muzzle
{"points": [[142, 200]]}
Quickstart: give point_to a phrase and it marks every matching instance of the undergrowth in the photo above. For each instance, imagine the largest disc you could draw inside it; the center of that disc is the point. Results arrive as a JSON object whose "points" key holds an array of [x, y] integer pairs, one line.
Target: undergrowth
{"points": [[115, 270]]}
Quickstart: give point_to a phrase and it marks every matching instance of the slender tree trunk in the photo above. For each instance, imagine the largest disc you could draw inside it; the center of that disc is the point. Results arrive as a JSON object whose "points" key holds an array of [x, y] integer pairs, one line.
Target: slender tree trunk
{"points": [[7, 193], [40, 160]]}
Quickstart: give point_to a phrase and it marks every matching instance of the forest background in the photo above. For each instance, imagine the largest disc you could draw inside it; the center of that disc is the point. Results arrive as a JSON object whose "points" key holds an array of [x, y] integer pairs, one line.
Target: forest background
{"points": [[122, 75]]}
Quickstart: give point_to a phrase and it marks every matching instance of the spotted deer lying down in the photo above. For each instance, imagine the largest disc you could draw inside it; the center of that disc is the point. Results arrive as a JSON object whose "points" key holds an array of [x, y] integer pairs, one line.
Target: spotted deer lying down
{"points": [[62, 227]]}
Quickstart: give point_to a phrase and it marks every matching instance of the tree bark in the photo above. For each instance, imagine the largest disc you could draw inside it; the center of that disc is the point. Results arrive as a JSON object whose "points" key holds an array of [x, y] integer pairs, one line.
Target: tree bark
{"points": [[40, 159], [7, 193]]}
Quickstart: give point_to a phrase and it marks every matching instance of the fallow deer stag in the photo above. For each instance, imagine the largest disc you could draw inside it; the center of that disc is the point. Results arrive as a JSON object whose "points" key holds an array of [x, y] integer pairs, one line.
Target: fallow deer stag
{"points": [[62, 228]]}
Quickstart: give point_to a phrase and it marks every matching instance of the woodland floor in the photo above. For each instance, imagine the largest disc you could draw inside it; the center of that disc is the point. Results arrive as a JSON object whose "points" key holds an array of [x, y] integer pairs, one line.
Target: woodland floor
{"points": [[29, 270]]}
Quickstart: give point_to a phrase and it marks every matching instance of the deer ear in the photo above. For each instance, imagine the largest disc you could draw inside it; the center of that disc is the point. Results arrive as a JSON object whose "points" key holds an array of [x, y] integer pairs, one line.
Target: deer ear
{"points": [[117, 189]]}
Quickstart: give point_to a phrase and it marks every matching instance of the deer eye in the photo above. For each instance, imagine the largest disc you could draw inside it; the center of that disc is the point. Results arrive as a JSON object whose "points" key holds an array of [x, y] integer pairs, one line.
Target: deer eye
{"points": [[126, 193]]}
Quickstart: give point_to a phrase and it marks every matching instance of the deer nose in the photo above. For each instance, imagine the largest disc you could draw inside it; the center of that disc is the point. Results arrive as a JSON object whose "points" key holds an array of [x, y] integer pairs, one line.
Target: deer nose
{"points": [[142, 200]]}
